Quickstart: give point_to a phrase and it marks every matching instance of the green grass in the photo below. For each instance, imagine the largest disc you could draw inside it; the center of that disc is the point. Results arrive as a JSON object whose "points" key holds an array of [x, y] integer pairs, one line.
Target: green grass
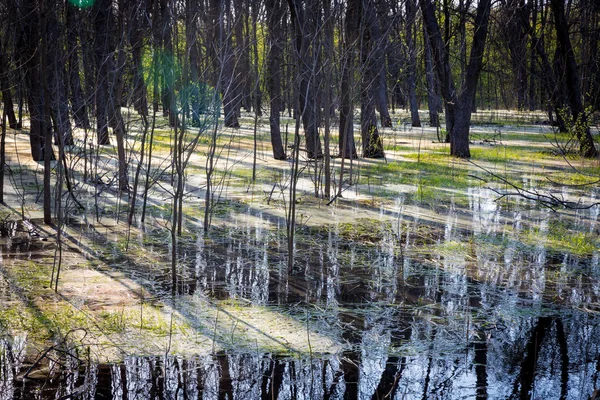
{"points": [[427, 169], [506, 154]]}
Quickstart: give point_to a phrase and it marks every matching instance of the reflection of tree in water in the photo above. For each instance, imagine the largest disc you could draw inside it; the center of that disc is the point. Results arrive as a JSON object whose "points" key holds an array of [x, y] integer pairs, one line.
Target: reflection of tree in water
{"points": [[493, 318], [548, 357]]}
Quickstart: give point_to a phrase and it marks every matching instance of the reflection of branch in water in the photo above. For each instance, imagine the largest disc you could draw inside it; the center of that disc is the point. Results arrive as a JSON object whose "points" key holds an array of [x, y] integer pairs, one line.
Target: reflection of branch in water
{"points": [[546, 199]]}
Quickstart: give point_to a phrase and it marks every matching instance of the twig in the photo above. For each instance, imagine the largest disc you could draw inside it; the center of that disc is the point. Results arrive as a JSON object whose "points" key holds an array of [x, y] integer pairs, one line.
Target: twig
{"points": [[547, 199]]}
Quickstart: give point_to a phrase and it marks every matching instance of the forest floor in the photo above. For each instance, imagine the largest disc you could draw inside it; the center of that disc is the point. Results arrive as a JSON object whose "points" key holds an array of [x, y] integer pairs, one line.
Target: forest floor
{"points": [[113, 296]]}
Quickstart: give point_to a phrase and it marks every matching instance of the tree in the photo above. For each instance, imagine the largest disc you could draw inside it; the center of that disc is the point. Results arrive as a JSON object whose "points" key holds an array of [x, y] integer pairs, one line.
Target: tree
{"points": [[304, 18], [104, 63], [573, 85], [27, 46], [370, 82], [458, 102], [276, 40], [351, 25], [411, 15]]}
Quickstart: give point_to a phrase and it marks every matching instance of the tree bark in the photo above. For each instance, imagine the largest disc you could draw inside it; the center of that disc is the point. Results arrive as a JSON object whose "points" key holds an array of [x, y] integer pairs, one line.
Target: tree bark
{"points": [[306, 70], [275, 15], [168, 68], [379, 66], [458, 104], [433, 99], [136, 41], [116, 94], [77, 99], [58, 88], [225, 59], [411, 15], [351, 24], [582, 130], [102, 24], [371, 141], [29, 57], [6, 92]]}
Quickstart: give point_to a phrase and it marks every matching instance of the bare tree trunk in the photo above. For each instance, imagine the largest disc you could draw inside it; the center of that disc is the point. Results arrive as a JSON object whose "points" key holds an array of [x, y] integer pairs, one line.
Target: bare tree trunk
{"points": [[2, 154], [532, 69], [6, 93], [257, 93], [433, 99], [77, 98], [168, 88], [47, 198], [29, 57], [136, 41], [102, 25], [328, 48], [56, 61], [352, 23], [458, 106], [275, 15], [306, 71], [371, 141], [379, 46], [115, 95], [411, 15], [582, 130], [227, 57]]}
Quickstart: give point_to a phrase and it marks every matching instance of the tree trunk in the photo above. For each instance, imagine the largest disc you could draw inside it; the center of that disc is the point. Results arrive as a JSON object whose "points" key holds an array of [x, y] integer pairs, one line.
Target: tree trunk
{"points": [[136, 41], [275, 15], [29, 57], [116, 94], [58, 89], [532, 69], [582, 130], [371, 141], [6, 93], [458, 106], [306, 71], [168, 67], [226, 60], [411, 14], [379, 72], [352, 21], [102, 25], [433, 99], [257, 103], [78, 104]]}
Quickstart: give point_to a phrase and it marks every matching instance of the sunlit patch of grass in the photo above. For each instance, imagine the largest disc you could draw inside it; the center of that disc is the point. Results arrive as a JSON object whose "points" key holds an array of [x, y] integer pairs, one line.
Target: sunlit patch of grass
{"points": [[582, 176], [399, 147], [431, 170], [18, 319], [535, 137], [501, 154]]}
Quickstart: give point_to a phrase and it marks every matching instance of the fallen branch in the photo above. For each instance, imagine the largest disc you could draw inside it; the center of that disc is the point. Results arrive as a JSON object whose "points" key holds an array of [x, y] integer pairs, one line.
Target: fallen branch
{"points": [[546, 199]]}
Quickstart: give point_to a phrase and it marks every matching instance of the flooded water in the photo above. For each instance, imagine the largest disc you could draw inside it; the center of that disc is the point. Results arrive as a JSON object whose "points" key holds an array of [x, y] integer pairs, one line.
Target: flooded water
{"points": [[474, 303]]}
